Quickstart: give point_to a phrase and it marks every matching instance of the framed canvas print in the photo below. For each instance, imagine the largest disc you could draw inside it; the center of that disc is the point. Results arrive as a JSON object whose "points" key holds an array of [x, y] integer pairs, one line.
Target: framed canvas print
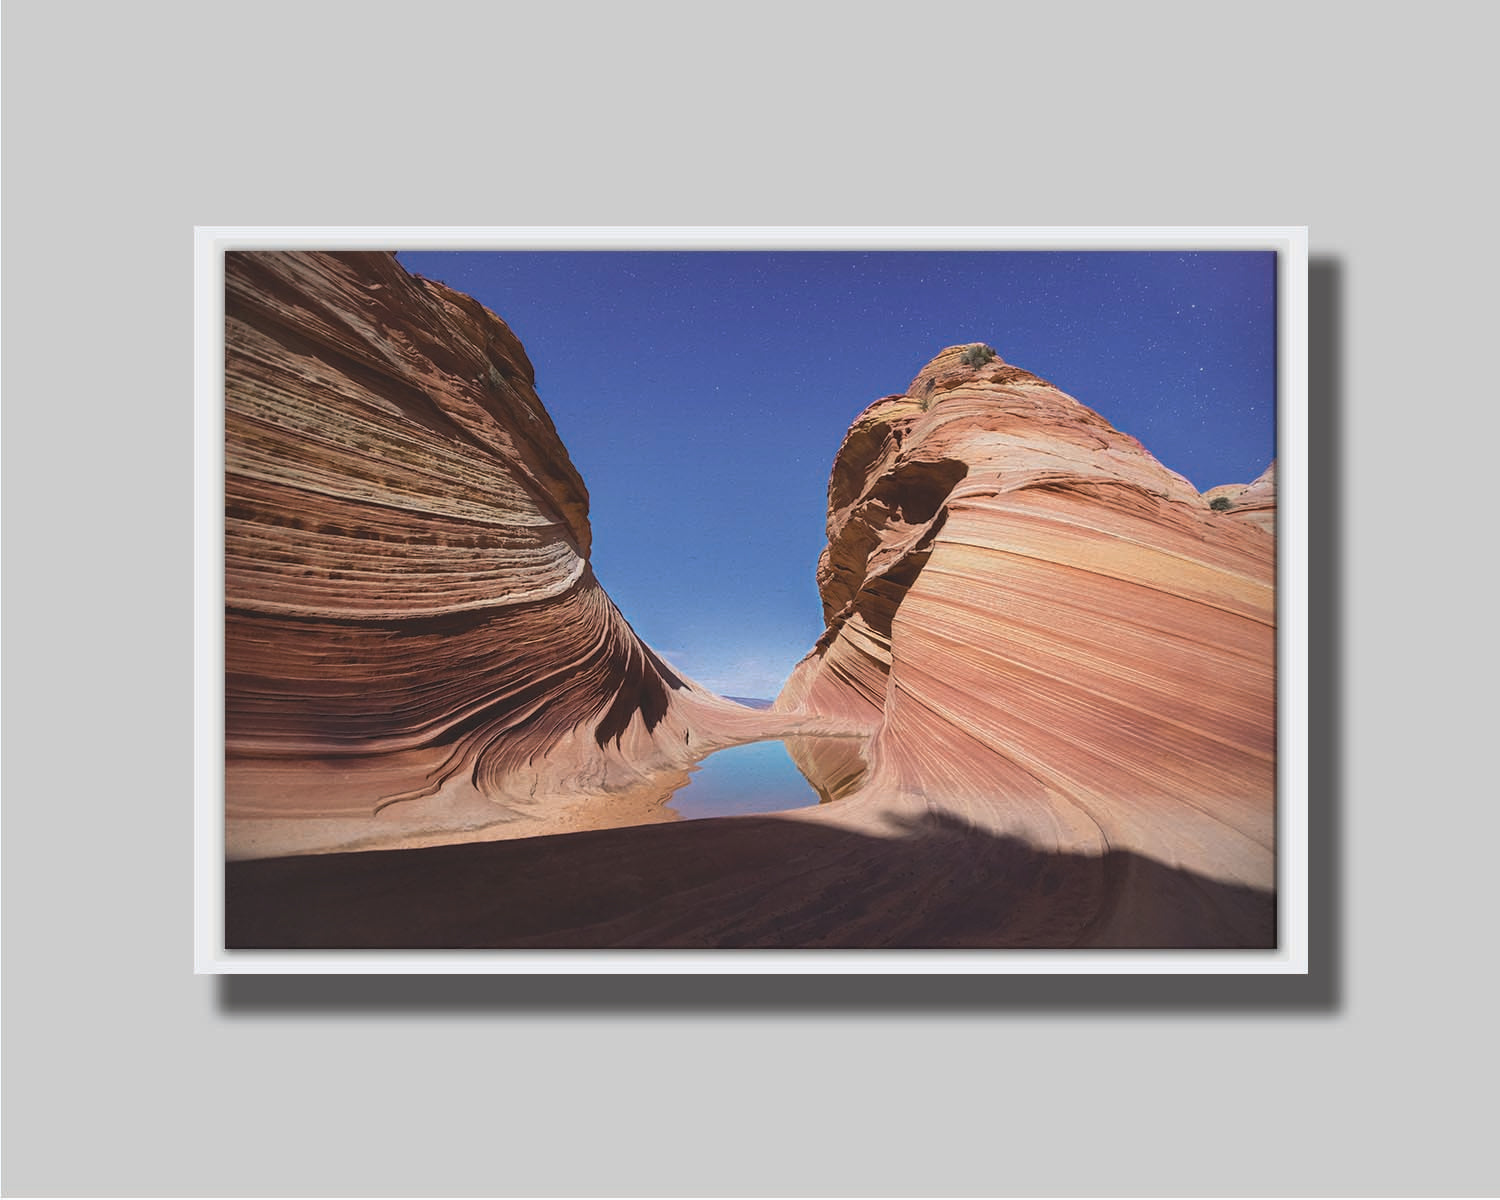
{"points": [[716, 600]]}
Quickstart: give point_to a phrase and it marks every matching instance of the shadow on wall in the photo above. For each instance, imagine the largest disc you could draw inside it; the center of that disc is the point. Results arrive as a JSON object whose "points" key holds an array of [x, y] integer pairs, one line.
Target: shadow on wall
{"points": [[930, 882], [1140, 996]]}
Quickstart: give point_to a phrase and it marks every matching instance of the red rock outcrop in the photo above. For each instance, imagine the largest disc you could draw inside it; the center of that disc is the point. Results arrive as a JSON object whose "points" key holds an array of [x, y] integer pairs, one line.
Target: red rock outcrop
{"points": [[1253, 502], [411, 625], [1050, 636]]}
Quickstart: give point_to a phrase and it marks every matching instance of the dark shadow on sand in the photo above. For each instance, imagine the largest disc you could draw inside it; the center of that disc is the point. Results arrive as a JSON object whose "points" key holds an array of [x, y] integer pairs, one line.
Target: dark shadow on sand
{"points": [[933, 882]]}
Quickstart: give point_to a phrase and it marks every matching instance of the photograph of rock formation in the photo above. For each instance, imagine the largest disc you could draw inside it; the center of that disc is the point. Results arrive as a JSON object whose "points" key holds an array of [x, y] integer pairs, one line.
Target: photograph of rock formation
{"points": [[760, 599]]}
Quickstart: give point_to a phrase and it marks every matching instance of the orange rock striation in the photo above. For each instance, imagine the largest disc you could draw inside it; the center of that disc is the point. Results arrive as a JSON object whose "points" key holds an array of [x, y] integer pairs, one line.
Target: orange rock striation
{"points": [[1053, 638], [412, 628]]}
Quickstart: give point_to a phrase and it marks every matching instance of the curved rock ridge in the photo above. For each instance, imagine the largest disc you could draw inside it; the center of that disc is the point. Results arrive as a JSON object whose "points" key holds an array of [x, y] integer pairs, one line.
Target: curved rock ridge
{"points": [[1252, 502], [412, 628], [1052, 638]]}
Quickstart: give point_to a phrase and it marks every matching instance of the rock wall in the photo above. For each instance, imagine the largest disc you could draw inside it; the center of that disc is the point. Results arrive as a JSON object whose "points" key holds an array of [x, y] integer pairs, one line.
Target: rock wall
{"points": [[412, 628], [1053, 638]]}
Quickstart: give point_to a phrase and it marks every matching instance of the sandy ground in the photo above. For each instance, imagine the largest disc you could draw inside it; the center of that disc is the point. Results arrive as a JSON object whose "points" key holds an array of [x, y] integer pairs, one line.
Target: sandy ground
{"points": [[455, 815], [821, 877]]}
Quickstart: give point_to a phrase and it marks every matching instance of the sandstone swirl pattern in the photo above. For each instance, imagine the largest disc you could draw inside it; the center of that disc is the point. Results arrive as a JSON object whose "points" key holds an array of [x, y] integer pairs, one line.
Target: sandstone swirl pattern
{"points": [[411, 625], [1041, 715], [1053, 638]]}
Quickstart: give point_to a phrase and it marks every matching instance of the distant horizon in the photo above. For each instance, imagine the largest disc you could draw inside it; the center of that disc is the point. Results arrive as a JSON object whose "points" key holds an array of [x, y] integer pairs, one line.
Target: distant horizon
{"points": [[702, 397]]}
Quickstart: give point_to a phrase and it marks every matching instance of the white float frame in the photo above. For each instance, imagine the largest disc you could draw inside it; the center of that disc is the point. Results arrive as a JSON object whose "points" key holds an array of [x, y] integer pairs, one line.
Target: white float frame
{"points": [[1289, 958]]}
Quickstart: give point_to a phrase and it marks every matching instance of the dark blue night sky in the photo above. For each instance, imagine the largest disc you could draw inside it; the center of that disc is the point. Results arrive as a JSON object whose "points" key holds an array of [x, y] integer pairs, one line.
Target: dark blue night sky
{"points": [[702, 397]]}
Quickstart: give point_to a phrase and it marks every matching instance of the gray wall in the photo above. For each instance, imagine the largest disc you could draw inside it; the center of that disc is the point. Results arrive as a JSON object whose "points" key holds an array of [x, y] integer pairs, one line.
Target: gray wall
{"points": [[127, 124]]}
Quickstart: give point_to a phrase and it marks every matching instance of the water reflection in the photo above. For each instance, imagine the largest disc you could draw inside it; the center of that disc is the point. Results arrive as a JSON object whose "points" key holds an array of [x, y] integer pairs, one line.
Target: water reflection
{"points": [[758, 777]]}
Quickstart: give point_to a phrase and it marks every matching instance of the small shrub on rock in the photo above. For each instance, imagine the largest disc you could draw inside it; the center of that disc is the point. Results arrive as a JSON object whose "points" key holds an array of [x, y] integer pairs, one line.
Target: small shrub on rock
{"points": [[977, 356], [1219, 504]]}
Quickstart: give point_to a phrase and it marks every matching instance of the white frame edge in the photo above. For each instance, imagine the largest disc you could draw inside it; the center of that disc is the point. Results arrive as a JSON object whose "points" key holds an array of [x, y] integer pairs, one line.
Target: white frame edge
{"points": [[1291, 955]]}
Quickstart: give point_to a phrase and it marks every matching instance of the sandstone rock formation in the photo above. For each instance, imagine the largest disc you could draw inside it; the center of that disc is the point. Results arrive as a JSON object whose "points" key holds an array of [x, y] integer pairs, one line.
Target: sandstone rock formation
{"points": [[1052, 636], [1042, 713], [412, 628], [1253, 502]]}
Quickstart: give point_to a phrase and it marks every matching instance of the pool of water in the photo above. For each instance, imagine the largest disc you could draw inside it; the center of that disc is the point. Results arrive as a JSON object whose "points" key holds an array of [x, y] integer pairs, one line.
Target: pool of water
{"points": [[755, 778]]}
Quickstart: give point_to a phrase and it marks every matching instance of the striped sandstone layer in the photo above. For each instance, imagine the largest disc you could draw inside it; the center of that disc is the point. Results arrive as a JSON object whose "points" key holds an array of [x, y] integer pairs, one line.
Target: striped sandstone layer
{"points": [[415, 646], [1055, 639]]}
